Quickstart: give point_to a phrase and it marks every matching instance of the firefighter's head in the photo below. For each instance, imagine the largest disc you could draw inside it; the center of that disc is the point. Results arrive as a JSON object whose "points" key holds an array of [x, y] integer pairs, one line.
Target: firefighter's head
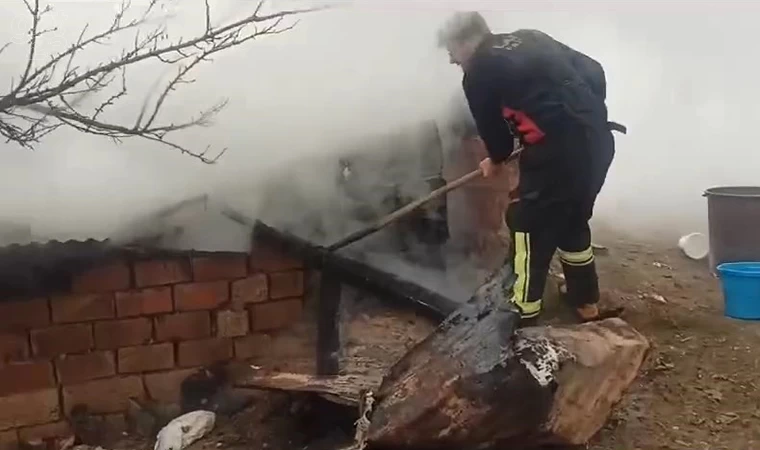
{"points": [[461, 35]]}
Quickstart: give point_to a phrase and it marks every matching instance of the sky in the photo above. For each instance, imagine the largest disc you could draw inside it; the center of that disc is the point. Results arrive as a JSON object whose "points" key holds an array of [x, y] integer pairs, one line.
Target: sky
{"points": [[681, 76]]}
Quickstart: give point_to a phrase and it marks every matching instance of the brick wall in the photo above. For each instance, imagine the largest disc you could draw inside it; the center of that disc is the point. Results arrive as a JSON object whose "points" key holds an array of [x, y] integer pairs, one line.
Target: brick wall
{"points": [[136, 329]]}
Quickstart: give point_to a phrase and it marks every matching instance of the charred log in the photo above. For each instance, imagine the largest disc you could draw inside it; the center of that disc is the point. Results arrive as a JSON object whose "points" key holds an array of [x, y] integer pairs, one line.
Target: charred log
{"points": [[358, 274], [475, 384], [343, 389], [328, 325]]}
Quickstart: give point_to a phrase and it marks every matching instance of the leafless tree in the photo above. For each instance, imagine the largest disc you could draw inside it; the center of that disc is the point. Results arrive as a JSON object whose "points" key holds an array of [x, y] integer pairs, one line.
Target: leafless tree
{"points": [[49, 91]]}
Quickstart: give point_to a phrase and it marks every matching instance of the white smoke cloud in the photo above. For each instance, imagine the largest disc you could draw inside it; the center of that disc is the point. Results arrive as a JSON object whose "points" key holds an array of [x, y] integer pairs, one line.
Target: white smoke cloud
{"points": [[681, 81]]}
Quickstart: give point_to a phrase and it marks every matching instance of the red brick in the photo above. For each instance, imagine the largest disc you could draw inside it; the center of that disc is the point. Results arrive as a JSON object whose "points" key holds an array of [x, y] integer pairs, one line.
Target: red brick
{"points": [[253, 289], [219, 267], [109, 277], [46, 431], [277, 314], [13, 347], [286, 285], [164, 387], [26, 377], [82, 307], [74, 369], [110, 395], [199, 296], [267, 259], [183, 326], [24, 314], [203, 352], [31, 408], [123, 333], [162, 272], [149, 358], [144, 302], [232, 323], [54, 341]]}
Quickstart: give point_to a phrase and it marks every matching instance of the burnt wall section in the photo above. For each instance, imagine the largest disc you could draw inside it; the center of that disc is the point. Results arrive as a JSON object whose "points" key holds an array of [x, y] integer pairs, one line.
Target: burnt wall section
{"points": [[476, 211], [136, 328]]}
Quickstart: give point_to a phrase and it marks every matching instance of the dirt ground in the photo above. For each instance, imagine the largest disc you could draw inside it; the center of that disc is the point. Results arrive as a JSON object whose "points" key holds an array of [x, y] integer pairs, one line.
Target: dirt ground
{"points": [[697, 390], [699, 386]]}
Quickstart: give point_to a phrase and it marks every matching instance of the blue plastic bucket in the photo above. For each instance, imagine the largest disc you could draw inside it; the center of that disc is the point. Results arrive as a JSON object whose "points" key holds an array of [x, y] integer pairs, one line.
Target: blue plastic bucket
{"points": [[741, 289]]}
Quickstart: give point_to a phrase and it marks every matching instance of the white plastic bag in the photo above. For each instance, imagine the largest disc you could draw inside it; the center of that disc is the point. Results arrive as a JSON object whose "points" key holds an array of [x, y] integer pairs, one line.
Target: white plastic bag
{"points": [[184, 430]]}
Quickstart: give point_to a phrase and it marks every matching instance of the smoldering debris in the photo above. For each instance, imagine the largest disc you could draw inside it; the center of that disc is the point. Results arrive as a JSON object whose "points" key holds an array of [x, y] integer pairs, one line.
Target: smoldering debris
{"points": [[327, 198], [457, 281]]}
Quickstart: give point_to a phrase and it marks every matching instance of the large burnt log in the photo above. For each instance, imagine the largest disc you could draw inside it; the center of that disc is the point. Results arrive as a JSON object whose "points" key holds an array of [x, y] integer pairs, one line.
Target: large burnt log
{"points": [[474, 384]]}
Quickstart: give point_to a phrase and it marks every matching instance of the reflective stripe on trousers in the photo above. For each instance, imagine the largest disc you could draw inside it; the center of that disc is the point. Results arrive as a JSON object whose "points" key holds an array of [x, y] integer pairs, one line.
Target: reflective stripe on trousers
{"points": [[578, 259], [528, 307]]}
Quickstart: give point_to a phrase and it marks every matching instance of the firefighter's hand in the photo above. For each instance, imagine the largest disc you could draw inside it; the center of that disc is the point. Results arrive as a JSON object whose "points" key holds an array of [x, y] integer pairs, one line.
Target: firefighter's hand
{"points": [[489, 168]]}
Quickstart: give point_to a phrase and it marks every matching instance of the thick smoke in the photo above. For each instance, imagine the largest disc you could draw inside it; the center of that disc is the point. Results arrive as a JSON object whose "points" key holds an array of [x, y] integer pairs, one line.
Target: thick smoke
{"points": [[344, 77]]}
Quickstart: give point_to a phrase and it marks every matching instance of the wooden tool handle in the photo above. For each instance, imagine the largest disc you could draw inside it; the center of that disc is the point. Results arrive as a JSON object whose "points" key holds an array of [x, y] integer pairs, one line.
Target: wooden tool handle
{"points": [[405, 210]]}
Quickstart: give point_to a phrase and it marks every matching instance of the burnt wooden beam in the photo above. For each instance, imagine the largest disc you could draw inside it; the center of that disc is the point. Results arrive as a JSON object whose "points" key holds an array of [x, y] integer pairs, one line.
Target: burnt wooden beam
{"points": [[328, 324], [344, 389], [350, 271]]}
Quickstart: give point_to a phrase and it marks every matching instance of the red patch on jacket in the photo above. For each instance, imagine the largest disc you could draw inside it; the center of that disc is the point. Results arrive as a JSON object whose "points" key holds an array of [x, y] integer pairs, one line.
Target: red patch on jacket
{"points": [[530, 132]]}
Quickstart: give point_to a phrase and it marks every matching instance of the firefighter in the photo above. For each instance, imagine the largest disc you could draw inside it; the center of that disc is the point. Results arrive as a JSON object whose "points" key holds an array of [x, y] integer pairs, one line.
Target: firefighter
{"points": [[526, 89]]}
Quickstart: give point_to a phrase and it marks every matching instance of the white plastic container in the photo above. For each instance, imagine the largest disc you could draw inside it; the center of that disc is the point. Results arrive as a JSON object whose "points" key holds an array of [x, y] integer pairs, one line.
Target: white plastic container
{"points": [[695, 245]]}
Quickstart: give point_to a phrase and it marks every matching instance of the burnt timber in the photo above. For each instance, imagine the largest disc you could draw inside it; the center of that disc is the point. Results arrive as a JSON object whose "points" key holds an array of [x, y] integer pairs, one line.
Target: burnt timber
{"points": [[358, 274], [479, 381]]}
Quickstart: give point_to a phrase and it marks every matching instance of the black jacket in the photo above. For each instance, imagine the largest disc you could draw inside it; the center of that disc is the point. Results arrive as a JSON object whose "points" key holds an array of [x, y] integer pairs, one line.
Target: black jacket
{"points": [[542, 88]]}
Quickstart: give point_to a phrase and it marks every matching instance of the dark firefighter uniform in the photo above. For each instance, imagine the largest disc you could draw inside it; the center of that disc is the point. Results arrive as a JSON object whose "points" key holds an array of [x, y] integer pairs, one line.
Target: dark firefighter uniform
{"points": [[551, 98]]}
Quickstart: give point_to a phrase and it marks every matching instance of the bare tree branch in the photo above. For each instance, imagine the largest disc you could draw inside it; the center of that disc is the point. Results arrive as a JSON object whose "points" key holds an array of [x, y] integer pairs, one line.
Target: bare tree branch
{"points": [[53, 92], [208, 16], [4, 47]]}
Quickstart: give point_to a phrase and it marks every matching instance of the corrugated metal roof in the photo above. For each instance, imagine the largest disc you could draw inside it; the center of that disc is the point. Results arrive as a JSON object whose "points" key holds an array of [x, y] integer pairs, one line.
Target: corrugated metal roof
{"points": [[51, 253], [42, 266], [53, 243]]}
